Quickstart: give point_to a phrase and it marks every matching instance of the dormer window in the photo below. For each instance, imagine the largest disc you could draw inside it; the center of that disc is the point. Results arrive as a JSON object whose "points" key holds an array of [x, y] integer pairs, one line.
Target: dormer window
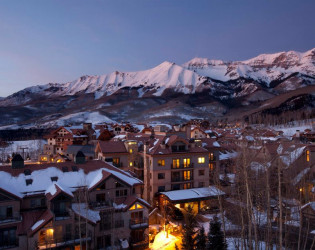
{"points": [[28, 182], [65, 169], [27, 172], [54, 178]]}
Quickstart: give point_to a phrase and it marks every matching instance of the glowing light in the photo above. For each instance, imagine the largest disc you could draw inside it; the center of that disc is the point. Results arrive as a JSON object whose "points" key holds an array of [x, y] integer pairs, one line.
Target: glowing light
{"points": [[301, 189]]}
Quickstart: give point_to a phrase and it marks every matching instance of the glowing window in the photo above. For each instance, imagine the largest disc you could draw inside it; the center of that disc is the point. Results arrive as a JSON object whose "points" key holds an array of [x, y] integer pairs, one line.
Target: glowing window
{"points": [[130, 151], [187, 175], [130, 164], [211, 157], [136, 206], [307, 155], [161, 163], [175, 163], [201, 160], [186, 162], [187, 185]]}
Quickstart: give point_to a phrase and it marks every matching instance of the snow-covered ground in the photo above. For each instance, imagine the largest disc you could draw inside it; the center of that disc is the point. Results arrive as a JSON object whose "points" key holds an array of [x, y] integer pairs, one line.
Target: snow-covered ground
{"points": [[162, 242], [290, 130], [81, 117], [31, 148]]}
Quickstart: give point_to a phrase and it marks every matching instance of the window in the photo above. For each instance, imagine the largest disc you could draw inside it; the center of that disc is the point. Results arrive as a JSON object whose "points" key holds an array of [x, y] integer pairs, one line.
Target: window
{"points": [[161, 163], [8, 237], [161, 176], [186, 162], [307, 155], [130, 164], [118, 184], [201, 160], [175, 163], [161, 188], [211, 166], [121, 193], [187, 185], [136, 206], [54, 178], [27, 172], [100, 197], [187, 175], [6, 212], [176, 187], [28, 182], [181, 148], [211, 157], [130, 151], [201, 172], [37, 202], [201, 184], [116, 162]]}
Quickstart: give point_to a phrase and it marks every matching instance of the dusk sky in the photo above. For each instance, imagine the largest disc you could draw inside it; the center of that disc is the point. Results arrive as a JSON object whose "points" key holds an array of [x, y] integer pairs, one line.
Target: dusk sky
{"points": [[58, 41]]}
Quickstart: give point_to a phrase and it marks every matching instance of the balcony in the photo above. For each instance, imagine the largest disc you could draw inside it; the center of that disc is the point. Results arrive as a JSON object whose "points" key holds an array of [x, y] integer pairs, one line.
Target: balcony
{"points": [[9, 243], [61, 242], [61, 215], [10, 219], [182, 166], [180, 179], [140, 243], [138, 223], [100, 204]]}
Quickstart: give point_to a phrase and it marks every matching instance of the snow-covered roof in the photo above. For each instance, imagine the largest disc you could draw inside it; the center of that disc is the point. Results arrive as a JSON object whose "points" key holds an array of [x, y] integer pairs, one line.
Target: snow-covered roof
{"points": [[193, 194], [227, 155], [66, 181], [83, 210], [298, 178]]}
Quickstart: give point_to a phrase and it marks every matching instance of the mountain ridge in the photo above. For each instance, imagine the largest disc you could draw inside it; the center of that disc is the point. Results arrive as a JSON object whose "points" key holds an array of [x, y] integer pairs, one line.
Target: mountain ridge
{"points": [[214, 86]]}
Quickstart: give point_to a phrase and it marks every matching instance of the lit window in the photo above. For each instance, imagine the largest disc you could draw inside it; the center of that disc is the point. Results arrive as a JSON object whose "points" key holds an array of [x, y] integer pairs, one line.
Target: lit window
{"points": [[186, 162], [211, 167], [130, 151], [175, 163], [187, 185], [130, 164], [187, 175], [201, 160], [161, 163], [211, 157], [307, 155], [136, 206]]}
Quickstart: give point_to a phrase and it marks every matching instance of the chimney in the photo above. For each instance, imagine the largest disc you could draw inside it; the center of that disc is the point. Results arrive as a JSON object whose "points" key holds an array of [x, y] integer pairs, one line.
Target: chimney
{"points": [[79, 158], [17, 162], [188, 132], [297, 133]]}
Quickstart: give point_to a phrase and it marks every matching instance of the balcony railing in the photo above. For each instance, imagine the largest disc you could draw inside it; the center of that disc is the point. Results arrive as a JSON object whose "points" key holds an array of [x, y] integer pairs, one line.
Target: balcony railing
{"points": [[182, 166], [5, 219], [138, 223], [180, 179], [140, 243], [59, 242], [100, 204]]}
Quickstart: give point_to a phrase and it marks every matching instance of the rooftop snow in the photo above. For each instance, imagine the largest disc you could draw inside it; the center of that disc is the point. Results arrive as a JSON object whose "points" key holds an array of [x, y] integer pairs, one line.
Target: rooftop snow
{"points": [[194, 193]]}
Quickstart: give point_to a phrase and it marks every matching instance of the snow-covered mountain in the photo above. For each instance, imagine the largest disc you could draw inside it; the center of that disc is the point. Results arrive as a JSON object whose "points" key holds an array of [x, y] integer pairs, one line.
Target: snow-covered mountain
{"points": [[265, 68], [208, 87]]}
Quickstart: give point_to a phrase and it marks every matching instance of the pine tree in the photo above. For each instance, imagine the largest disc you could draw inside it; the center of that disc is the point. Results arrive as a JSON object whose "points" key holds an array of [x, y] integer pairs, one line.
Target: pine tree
{"points": [[201, 239], [215, 236], [189, 232]]}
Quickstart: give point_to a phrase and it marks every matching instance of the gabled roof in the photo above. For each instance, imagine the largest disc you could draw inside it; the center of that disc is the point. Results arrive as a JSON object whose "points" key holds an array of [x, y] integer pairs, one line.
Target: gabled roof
{"points": [[107, 147], [126, 203], [56, 189], [46, 217]]}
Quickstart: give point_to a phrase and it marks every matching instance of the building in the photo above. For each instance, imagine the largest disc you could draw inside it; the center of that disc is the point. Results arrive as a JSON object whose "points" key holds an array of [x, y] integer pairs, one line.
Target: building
{"points": [[173, 163], [49, 206]]}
